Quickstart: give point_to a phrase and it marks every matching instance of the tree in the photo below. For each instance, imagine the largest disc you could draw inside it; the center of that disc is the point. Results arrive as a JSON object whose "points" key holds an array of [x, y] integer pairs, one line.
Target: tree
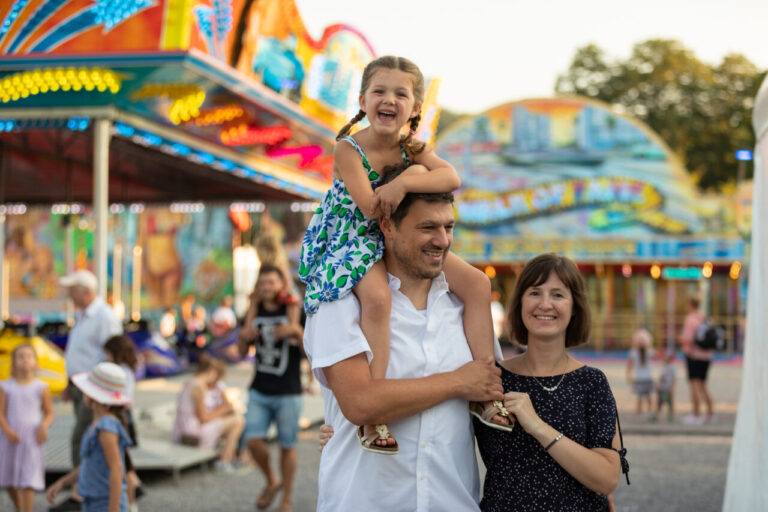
{"points": [[702, 112]]}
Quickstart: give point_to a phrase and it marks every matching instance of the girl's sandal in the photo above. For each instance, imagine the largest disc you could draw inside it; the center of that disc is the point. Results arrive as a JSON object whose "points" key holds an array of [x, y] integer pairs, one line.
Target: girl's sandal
{"points": [[382, 432], [486, 415]]}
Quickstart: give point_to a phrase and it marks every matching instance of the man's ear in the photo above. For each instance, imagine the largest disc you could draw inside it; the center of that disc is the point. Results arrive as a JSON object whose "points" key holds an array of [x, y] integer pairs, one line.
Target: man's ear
{"points": [[386, 226]]}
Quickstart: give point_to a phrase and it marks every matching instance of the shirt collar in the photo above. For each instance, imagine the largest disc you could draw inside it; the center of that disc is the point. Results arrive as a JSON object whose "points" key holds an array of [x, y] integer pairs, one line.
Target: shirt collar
{"points": [[438, 283]]}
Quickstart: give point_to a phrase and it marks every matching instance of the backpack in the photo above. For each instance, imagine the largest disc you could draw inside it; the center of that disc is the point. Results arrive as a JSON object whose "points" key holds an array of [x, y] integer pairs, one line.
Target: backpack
{"points": [[710, 336]]}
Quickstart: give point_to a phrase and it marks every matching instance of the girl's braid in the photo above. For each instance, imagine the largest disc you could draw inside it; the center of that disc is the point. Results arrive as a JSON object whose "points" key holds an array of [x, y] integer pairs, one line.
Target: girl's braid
{"points": [[414, 146], [347, 127]]}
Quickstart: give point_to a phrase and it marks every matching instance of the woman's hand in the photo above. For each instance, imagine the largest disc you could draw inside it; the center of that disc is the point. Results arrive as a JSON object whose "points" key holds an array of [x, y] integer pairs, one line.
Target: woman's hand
{"points": [[42, 434], [520, 405], [325, 435], [388, 197]]}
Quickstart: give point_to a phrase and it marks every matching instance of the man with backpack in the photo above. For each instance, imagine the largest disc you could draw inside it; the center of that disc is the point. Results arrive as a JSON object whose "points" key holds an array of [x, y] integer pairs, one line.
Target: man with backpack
{"points": [[698, 360]]}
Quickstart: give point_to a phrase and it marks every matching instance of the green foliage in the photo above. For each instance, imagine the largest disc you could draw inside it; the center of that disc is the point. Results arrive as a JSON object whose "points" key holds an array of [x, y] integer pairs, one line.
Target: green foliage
{"points": [[703, 112]]}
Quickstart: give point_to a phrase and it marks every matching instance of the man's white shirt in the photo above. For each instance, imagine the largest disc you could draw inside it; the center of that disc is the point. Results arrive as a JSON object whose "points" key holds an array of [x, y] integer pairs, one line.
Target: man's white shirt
{"points": [[93, 327], [436, 468]]}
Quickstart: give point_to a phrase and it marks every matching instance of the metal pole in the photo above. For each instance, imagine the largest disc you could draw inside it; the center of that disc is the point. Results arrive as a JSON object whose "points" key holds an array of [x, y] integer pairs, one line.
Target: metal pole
{"points": [[101, 136], [4, 277]]}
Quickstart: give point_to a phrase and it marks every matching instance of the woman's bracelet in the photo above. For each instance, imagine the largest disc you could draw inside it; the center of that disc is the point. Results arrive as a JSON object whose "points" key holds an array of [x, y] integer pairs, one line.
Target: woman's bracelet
{"points": [[556, 439]]}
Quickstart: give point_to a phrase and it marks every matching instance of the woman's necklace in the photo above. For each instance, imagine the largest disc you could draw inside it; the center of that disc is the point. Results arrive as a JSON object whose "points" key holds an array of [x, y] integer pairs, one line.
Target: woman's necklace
{"points": [[546, 388]]}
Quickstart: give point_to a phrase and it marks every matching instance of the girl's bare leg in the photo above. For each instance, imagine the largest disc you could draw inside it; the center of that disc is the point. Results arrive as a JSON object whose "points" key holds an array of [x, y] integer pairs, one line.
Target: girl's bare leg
{"points": [[13, 493], [474, 289], [232, 427], [375, 306], [26, 499]]}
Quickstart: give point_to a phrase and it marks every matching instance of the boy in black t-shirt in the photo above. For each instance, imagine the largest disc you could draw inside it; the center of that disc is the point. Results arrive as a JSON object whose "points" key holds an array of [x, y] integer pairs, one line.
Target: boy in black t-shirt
{"points": [[272, 324]]}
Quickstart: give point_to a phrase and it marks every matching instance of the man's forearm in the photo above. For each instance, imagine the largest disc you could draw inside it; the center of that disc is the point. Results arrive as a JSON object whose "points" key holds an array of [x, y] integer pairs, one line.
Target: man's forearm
{"points": [[364, 400], [388, 400]]}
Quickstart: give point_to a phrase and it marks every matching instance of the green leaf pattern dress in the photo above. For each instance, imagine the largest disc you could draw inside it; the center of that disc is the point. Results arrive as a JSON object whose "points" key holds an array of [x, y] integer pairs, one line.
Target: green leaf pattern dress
{"points": [[341, 243]]}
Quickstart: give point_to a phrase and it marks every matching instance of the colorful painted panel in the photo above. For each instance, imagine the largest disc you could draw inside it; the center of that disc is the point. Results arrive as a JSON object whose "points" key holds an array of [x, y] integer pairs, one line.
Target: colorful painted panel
{"points": [[572, 171]]}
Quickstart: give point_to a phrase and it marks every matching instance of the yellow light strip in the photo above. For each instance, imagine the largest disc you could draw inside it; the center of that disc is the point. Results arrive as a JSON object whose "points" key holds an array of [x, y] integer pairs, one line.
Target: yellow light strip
{"points": [[218, 115], [30, 83], [187, 99]]}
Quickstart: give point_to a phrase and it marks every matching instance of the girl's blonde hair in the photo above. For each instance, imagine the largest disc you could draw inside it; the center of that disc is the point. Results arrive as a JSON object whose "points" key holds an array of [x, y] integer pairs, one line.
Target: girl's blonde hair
{"points": [[16, 351], [412, 146]]}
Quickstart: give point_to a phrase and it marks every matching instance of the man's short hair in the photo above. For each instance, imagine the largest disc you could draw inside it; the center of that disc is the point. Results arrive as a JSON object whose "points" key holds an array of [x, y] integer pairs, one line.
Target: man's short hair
{"points": [[267, 268], [389, 173]]}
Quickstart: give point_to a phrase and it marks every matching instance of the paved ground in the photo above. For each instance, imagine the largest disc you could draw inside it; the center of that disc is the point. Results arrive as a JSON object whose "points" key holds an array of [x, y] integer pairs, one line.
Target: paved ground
{"points": [[674, 467]]}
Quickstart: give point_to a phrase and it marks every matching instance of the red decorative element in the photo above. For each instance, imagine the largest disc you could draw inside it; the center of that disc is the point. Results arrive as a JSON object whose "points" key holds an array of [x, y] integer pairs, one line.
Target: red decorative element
{"points": [[323, 166], [307, 153], [243, 135], [240, 219]]}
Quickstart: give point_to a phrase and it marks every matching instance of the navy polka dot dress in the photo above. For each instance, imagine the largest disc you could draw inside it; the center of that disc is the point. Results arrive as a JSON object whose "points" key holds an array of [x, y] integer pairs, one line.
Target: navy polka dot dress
{"points": [[521, 476]]}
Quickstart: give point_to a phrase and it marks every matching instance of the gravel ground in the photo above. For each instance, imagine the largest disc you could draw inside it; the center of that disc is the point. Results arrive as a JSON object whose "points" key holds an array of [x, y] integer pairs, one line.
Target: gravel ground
{"points": [[669, 473]]}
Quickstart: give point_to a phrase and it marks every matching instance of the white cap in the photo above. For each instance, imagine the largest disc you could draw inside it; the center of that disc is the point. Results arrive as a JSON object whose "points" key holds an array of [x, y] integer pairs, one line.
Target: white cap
{"points": [[84, 278]]}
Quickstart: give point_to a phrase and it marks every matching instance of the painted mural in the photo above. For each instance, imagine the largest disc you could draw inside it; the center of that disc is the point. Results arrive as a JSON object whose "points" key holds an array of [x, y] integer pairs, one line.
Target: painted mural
{"points": [[181, 253], [570, 175]]}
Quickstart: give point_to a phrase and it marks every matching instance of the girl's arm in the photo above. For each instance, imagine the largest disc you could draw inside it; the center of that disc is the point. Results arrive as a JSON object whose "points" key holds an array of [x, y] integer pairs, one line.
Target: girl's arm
{"points": [[9, 433], [348, 167], [65, 481], [42, 430], [430, 174], [630, 365], [111, 451], [204, 416], [442, 176]]}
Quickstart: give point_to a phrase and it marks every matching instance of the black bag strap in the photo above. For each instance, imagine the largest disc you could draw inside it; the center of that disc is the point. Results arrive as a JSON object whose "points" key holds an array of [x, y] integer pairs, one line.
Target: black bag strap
{"points": [[623, 451]]}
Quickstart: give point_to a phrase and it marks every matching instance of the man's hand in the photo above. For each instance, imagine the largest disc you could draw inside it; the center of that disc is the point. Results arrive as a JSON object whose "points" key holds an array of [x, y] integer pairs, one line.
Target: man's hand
{"points": [[66, 395], [480, 381]]}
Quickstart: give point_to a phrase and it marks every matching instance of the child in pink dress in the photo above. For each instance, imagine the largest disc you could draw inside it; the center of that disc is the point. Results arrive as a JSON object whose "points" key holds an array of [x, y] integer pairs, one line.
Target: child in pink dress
{"points": [[26, 412]]}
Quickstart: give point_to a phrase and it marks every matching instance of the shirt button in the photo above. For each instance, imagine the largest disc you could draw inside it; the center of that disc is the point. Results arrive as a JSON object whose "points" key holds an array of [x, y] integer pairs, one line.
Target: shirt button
{"points": [[421, 477], [423, 445]]}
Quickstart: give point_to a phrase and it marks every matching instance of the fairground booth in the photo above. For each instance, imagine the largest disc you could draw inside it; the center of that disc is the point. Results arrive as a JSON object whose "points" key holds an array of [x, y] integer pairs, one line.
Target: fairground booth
{"points": [[572, 176], [155, 141]]}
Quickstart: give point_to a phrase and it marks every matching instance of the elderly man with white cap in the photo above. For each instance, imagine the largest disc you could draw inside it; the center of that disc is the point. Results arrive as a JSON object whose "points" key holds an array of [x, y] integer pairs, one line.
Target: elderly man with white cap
{"points": [[95, 323]]}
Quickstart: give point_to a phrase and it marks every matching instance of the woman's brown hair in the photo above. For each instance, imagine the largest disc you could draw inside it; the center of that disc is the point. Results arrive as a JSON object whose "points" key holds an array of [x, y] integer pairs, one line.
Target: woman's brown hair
{"points": [[412, 146], [535, 273]]}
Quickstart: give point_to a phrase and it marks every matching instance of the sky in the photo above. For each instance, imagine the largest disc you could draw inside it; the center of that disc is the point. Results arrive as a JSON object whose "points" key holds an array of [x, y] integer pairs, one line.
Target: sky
{"points": [[489, 52]]}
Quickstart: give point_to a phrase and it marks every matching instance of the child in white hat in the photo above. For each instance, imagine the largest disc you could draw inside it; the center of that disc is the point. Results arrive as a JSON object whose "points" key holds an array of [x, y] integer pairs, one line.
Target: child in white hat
{"points": [[101, 474]]}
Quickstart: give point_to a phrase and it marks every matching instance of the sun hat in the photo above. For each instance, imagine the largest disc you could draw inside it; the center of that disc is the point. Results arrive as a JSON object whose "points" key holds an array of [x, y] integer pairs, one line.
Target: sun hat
{"points": [[105, 384], [84, 278]]}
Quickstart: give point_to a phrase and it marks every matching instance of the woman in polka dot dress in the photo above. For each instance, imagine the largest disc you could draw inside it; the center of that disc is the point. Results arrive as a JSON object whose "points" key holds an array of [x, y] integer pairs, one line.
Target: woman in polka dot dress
{"points": [[564, 456]]}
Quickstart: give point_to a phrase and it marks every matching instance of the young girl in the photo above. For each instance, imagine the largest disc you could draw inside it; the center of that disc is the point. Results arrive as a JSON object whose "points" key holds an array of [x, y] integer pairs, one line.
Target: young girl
{"points": [[205, 415], [343, 245], [100, 476], [639, 368], [665, 387], [121, 351], [26, 413]]}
